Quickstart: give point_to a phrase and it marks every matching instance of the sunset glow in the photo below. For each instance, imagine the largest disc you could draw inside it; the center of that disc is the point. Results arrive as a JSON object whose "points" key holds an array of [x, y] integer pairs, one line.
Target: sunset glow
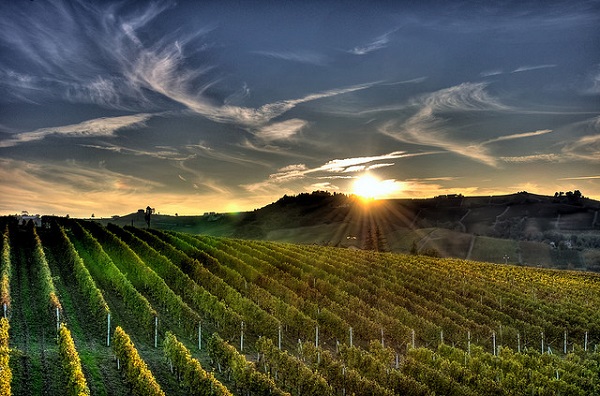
{"points": [[370, 187]]}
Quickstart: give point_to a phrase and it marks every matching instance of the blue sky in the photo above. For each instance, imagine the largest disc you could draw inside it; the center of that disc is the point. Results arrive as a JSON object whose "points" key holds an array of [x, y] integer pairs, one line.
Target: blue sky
{"points": [[189, 106]]}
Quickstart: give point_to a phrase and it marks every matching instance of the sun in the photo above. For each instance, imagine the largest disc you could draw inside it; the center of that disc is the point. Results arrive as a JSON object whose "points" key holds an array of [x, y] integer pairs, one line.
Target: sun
{"points": [[370, 187]]}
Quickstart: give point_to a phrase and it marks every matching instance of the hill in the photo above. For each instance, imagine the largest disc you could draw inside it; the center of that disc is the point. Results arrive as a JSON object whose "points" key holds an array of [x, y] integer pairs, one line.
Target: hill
{"points": [[168, 313], [523, 228]]}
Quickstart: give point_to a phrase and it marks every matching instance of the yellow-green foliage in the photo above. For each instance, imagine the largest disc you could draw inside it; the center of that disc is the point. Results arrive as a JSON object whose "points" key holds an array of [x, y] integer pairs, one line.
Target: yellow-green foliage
{"points": [[5, 373], [137, 374], [193, 377], [5, 270], [71, 365], [86, 283], [43, 270], [244, 373]]}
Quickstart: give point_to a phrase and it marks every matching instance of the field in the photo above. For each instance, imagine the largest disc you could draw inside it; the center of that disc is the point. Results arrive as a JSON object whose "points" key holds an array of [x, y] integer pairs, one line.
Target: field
{"points": [[119, 310]]}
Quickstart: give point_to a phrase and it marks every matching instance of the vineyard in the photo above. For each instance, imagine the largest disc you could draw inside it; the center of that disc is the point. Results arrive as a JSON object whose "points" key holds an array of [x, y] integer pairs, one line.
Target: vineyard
{"points": [[94, 310]]}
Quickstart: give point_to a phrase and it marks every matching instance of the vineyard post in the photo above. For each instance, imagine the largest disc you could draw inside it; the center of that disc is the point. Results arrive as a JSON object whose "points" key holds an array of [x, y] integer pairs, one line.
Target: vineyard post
{"points": [[412, 336], [316, 336], [585, 341], [519, 342], [565, 343], [199, 336], [344, 375], [279, 337], [542, 342], [4, 310], [156, 332], [442, 336], [242, 338], [469, 342], [494, 341], [57, 320], [350, 337], [397, 361], [108, 329]]}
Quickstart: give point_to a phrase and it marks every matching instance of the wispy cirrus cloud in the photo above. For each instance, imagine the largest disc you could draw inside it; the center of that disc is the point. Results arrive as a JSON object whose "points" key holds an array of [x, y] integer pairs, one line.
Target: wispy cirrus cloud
{"points": [[580, 178], [585, 148], [428, 127], [99, 127], [530, 68], [518, 136], [99, 55], [252, 117], [284, 130], [520, 69], [489, 73], [162, 153], [533, 158], [330, 170], [374, 45], [308, 57]]}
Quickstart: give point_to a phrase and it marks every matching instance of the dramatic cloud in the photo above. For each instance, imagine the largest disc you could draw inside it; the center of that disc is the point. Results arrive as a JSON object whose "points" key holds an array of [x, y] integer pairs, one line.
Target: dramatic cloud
{"points": [[427, 126], [281, 130], [99, 127]]}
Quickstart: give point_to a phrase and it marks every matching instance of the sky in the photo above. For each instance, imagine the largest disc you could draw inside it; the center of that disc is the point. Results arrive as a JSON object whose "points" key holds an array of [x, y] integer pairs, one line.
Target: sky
{"points": [[195, 106]]}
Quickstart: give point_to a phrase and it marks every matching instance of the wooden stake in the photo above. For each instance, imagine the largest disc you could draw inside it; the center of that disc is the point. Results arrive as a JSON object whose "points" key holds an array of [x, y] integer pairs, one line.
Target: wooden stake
{"points": [[412, 336]]}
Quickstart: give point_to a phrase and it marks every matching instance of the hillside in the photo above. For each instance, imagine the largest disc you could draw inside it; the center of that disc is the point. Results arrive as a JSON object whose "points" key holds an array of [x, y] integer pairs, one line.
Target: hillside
{"points": [[291, 319], [555, 232]]}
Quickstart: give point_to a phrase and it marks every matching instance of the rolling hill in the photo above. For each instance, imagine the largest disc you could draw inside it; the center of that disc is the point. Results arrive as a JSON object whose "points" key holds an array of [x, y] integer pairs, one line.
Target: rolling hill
{"points": [[523, 228]]}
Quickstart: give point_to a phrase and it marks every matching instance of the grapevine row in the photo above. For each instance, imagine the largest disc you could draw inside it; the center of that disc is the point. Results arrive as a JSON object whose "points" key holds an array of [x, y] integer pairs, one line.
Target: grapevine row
{"points": [[135, 370], [192, 377]]}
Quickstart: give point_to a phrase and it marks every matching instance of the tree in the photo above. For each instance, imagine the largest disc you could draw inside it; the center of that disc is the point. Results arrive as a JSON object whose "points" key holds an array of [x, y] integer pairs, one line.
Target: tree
{"points": [[148, 215]]}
